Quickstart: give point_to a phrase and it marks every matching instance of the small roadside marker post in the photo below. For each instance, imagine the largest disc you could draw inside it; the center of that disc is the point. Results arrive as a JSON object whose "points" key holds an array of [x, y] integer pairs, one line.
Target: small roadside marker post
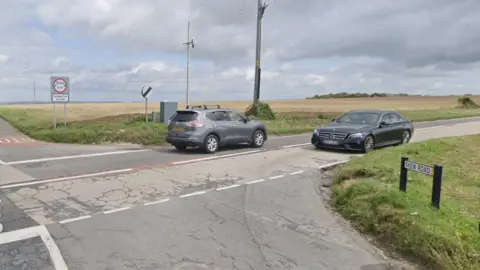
{"points": [[145, 96], [60, 93], [436, 171]]}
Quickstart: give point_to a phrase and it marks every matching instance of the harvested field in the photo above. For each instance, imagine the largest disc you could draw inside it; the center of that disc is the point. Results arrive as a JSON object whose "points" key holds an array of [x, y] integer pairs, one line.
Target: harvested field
{"points": [[85, 111]]}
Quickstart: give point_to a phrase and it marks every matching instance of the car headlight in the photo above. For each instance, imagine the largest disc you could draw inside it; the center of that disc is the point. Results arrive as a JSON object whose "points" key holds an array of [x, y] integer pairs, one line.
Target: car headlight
{"points": [[358, 135]]}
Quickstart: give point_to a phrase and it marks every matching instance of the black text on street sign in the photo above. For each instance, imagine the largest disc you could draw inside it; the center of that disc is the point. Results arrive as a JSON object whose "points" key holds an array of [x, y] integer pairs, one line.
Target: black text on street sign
{"points": [[427, 170]]}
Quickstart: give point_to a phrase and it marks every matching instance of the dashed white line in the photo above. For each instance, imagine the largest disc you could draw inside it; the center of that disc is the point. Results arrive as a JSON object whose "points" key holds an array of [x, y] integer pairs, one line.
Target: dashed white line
{"points": [[74, 219], [276, 177], [254, 182], [297, 172], [116, 210], [228, 187], [65, 178], [193, 194], [157, 202]]}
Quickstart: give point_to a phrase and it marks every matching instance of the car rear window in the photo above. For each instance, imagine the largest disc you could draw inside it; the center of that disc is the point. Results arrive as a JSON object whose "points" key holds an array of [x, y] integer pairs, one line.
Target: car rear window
{"points": [[184, 116]]}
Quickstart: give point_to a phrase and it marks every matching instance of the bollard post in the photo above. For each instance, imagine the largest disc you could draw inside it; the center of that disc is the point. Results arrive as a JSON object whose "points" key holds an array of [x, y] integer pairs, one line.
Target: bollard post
{"points": [[437, 185], [403, 175]]}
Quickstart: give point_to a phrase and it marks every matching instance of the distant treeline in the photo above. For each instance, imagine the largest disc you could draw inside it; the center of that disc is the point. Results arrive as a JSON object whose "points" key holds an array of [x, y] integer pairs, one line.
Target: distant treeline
{"points": [[357, 95]]}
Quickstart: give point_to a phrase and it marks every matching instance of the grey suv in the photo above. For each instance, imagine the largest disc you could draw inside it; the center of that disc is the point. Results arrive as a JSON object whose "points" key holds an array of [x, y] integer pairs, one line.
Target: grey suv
{"points": [[211, 128]]}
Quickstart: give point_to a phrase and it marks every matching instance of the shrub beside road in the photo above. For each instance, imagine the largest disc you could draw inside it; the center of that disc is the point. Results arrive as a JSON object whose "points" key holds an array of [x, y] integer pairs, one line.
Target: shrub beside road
{"points": [[366, 191], [130, 128]]}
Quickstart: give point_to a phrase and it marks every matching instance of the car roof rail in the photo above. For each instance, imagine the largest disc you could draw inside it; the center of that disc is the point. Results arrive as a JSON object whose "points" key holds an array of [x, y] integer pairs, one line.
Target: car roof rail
{"points": [[205, 107]]}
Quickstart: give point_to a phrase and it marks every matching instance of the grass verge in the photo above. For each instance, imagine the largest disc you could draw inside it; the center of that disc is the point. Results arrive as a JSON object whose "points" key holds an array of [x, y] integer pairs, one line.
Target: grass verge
{"points": [[366, 192], [130, 128]]}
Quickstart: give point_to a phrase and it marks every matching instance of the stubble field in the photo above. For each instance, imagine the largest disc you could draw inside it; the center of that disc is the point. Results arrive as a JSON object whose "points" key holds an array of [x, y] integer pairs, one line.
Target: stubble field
{"points": [[79, 112]]}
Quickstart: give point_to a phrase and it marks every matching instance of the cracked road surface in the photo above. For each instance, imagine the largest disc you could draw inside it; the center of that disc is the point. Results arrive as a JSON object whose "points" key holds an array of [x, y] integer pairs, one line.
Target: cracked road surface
{"points": [[58, 201], [270, 225], [257, 211]]}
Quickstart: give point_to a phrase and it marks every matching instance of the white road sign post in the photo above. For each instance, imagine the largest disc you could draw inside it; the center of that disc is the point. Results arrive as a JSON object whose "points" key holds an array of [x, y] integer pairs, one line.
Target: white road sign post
{"points": [[60, 93]]}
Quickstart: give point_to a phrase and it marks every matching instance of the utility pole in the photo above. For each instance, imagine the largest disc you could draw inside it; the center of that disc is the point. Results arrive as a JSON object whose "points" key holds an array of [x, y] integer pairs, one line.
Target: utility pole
{"points": [[189, 43], [256, 90]]}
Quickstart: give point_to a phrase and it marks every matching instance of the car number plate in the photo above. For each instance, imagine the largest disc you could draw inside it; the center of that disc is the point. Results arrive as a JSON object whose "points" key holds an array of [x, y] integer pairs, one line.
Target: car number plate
{"points": [[331, 142], [178, 129]]}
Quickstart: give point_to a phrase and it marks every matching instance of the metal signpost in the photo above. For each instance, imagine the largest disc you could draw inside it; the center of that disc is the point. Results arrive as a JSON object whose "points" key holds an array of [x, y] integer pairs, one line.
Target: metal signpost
{"points": [[145, 96], [60, 93], [436, 171]]}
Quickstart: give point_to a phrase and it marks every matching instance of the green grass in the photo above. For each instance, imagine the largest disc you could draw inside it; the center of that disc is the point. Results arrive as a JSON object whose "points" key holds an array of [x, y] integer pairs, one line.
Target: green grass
{"points": [[130, 128], [366, 192]]}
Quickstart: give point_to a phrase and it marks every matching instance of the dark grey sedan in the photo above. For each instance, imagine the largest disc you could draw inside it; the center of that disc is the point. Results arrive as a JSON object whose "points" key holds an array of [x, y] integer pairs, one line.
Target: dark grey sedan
{"points": [[363, 131]]}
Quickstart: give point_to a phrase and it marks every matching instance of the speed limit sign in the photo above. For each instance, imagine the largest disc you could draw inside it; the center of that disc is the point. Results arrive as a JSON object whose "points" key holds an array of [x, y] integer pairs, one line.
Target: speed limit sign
{"points": [[60, 85], [60, 89]]}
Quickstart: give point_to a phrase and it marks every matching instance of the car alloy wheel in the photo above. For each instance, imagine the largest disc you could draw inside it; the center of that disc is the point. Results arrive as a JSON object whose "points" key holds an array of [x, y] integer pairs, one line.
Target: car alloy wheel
{"points": [[211, 144], [406, 137], [368, 144], [258, 138]]}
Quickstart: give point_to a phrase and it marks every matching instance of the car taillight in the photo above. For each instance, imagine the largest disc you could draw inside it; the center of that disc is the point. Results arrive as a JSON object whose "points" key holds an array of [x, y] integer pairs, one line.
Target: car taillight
{"points": [[194, 124]]}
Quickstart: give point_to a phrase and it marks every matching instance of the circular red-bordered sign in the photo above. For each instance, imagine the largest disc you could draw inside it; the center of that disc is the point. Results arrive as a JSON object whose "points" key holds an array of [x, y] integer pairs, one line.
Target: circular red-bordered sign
{"points": [[60, 85]]}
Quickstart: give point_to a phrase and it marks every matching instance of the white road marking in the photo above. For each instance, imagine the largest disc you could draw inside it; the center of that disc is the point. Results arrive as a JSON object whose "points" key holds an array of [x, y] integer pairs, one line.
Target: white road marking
{"points": [[326, 166], [254, 182], [228, 187], [31, 232], [276, 177], [430, 127], [2, 162], [19, 235], [74, 219], [193, 194], [295, 145], [116, 210], [157, 202], [288, 136], [76, 156], [215, 157], [55, 254], [297, 172], [65, 178]]}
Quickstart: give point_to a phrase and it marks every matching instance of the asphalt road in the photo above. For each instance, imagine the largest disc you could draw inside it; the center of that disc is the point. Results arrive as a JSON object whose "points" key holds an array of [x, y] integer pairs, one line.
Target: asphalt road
{"points": [[260, 210], [48, 161]]}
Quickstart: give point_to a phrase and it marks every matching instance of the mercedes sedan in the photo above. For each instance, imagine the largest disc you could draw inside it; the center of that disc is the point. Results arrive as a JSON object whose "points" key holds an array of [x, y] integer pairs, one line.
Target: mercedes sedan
{"points": [[364, 131]]}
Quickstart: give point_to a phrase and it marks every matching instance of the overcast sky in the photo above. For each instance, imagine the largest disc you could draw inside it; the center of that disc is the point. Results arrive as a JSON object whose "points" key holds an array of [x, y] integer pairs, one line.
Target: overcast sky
{"points": [[110, 48]]}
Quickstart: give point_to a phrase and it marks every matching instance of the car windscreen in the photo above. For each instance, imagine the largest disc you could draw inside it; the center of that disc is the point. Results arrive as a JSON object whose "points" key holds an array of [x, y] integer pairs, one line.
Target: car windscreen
{"points": [[184, 116], [367, 118]]}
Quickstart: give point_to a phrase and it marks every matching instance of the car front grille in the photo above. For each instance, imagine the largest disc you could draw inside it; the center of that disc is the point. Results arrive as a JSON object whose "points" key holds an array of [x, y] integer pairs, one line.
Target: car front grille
{"points": [[338, 136]]}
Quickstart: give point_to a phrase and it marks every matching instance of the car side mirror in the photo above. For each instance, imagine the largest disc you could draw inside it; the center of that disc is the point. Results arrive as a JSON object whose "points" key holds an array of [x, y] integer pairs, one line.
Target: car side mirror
{"points": [[383, 124], [333, 119], [246, 119]]}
